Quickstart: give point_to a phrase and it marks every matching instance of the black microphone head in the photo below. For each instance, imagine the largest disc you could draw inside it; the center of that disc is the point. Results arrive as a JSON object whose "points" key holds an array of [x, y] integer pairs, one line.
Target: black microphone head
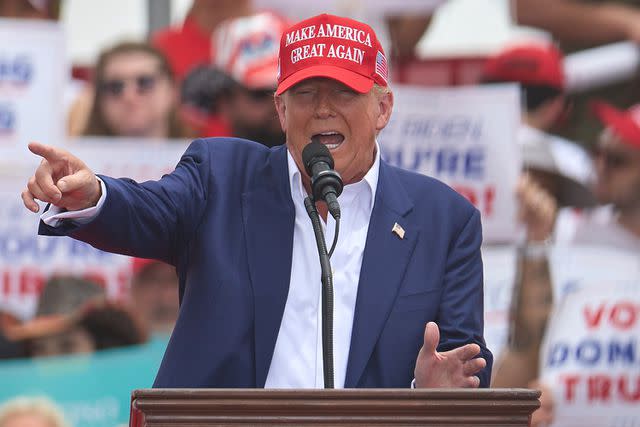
{"points": [[313, 152]]}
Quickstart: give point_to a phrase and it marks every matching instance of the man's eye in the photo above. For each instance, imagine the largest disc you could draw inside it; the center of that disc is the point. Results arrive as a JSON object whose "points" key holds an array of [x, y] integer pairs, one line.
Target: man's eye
{"points": [[346, 91]]}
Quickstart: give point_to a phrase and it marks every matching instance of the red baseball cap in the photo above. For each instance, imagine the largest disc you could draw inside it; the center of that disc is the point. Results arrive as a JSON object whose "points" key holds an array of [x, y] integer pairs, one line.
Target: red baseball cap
{"points": [[624, 123], [246, 48], [331, 46], [531, 63]]}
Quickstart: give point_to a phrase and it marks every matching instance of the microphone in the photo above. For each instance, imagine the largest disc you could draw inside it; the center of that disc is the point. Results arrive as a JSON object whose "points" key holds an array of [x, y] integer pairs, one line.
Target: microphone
{"points": [[326, 183]]}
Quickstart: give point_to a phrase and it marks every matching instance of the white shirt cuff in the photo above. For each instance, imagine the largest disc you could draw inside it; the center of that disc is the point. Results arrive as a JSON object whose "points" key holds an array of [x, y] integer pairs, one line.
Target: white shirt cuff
{"points": [[55, 215], [413, 383]]}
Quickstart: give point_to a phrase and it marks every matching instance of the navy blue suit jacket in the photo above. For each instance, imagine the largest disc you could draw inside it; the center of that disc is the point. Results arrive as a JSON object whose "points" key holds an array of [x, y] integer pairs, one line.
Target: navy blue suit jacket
{"points": [[225, 219]]}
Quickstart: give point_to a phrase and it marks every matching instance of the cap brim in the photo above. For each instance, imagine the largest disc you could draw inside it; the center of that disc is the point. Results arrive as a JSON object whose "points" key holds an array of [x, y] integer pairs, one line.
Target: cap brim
{"points": [[263, 79], [355, 81], [617, 121], [606, 113]]}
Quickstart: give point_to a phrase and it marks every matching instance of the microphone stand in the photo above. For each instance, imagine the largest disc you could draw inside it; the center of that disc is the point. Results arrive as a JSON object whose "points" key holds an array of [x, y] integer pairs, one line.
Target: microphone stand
{"points": [[327, 293]]}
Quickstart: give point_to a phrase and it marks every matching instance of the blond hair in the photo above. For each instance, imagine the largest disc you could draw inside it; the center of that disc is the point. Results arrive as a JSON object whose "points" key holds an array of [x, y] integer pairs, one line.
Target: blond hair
{"points": [[42, 406], [381, 90]]}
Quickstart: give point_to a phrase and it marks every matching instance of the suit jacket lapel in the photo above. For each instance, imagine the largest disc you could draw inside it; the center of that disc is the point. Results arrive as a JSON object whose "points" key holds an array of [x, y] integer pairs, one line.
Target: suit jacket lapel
{"points": [[384, 262], [269, 218]]}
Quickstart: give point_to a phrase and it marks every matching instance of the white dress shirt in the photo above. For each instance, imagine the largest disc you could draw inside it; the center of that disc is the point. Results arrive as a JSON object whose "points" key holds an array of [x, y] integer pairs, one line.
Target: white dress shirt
{"points": [[297, 357]]}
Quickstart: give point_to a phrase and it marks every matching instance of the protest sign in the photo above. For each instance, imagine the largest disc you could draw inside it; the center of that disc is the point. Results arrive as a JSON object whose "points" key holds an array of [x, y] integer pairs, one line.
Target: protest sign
{"points": [[33, 75], [465, 137], [591, 358]]}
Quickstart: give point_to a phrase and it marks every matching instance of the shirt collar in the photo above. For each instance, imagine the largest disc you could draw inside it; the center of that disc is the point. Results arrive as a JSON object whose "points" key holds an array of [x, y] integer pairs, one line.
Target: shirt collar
{"points": [[298, 191]]}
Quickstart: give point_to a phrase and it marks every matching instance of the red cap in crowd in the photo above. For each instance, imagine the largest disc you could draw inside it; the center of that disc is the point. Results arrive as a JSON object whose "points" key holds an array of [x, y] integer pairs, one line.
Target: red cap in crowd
{"points": [[624, 123], [532, 63], [247, 49], [331, 46], [140, 264]]}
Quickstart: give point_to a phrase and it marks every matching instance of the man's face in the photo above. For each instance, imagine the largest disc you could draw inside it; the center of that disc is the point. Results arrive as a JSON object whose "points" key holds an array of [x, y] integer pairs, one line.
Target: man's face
{"points": [[618, 172], [346, 121], [154, 294], [137, 97], [252, 115], [27, 419]]}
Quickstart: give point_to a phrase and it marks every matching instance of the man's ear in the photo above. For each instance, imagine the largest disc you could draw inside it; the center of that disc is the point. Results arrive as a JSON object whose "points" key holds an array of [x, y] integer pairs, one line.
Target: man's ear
{"points": [[385, 105], [281, 109]]}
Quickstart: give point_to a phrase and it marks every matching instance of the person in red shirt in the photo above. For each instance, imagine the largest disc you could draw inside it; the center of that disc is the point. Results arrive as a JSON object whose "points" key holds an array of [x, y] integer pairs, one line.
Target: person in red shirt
{"points": [[190, 45]]}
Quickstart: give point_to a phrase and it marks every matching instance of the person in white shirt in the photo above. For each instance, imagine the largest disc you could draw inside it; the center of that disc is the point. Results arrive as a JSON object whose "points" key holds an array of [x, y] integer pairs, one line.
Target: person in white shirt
{"points": [[615, 223]]}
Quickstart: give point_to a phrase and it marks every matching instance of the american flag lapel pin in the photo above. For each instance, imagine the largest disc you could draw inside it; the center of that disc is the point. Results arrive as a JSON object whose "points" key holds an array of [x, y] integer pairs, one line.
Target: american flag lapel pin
{"points": [[398, 230]]}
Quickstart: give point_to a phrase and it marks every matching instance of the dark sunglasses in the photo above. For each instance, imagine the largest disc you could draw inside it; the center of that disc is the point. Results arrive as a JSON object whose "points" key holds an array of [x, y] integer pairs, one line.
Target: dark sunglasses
{"points": [[115, 87], [260, 94], [612, 159]]}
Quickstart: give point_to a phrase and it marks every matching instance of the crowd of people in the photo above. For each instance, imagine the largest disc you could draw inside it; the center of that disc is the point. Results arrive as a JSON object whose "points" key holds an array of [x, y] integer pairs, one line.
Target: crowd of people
{"points": [[216, 75]]}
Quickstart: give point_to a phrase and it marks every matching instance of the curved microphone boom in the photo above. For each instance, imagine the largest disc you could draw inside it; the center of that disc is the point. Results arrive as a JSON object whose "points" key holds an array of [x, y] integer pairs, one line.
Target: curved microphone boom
{"points": [[326, 183]]}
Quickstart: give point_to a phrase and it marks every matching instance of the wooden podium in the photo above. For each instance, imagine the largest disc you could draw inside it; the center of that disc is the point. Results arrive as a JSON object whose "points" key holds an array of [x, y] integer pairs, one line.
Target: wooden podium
{"points": [[363, 407]]}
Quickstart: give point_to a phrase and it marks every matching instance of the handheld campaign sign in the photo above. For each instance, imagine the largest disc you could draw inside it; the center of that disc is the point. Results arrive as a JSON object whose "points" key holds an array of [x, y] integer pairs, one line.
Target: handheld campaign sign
{"points": [[591, 358], [591, 354], [33, 73], [465, 137]]}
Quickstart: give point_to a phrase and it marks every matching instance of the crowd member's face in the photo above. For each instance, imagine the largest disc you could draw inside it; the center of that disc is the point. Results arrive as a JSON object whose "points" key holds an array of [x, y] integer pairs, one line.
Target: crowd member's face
{"points": [[21, 9], [618, 172], [252, 115], [154, 293], [349, 120], [136, 97], [27, 420], [74, 341]]}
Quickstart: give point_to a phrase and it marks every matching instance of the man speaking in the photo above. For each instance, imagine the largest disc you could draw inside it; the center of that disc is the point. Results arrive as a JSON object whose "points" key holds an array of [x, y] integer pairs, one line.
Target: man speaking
{"points": [[231, 218]]}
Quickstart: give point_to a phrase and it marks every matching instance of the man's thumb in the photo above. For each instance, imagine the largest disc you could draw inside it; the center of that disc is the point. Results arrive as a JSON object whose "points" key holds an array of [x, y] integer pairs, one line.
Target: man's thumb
{"points": [[431, 337], [72, 182]]}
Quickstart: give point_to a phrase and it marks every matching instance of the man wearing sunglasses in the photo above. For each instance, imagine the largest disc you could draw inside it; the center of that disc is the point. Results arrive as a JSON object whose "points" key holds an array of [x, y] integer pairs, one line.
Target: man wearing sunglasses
{"points": [[246, 50], [615, 223], [560, 167], [231, 217], [617, 186]]}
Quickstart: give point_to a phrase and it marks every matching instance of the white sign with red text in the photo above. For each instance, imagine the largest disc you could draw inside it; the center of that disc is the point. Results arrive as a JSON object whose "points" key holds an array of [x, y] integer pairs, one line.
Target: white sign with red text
{"points": [[33, 75], [465, 137], [28, 260], [591, 357]]}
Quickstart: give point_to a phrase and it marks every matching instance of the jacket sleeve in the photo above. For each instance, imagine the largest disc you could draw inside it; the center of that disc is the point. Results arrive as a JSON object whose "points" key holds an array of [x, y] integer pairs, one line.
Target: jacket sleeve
{"points": [[461, 314], [154, 219]]}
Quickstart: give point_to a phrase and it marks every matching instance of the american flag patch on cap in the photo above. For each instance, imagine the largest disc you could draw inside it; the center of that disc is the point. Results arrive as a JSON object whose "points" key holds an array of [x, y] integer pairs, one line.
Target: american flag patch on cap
{"points": [[381, 66]]}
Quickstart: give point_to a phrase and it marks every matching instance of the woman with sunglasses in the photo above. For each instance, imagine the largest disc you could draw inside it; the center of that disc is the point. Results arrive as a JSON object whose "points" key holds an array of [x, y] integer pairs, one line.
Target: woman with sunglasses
{"points": [[135, 94]]}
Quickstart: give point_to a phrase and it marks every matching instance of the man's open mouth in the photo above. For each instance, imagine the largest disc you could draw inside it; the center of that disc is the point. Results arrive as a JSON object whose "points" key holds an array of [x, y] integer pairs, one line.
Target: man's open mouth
{"points": [[331, 139]]}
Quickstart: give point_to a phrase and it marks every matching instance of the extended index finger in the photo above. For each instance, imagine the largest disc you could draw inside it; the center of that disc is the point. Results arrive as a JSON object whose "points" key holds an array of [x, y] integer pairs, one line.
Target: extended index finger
{"points": [[47, 151]]}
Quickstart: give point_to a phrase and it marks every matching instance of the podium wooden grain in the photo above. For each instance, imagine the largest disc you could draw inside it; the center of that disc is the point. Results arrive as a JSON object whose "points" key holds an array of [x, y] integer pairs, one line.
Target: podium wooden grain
{"points": [[350, 407]]}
